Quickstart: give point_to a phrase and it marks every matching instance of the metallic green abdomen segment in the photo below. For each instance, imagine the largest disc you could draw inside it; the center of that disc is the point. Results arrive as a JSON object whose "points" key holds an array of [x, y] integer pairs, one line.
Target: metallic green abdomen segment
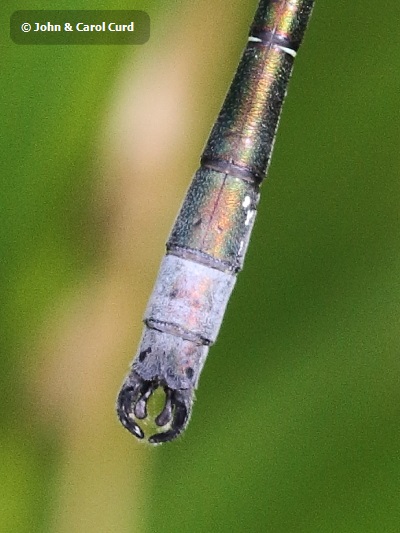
{"points": [[245, 129], [216, 219], [285, 20]]}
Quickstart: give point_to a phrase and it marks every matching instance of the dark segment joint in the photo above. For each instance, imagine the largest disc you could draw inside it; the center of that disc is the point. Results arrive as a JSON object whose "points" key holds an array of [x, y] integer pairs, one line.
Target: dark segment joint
{"points": [[281, 23], [178, 331], [226, 167], [269, 38]]}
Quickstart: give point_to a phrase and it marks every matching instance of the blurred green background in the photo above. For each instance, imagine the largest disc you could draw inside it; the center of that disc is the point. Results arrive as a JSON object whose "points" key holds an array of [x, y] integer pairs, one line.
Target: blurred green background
{"points": [[296, 424]]}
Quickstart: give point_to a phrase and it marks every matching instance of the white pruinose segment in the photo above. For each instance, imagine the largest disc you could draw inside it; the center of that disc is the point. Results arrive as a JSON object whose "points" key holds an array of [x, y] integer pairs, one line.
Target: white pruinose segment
{"points": [[191, 296], [254, 39], [289, 51]]}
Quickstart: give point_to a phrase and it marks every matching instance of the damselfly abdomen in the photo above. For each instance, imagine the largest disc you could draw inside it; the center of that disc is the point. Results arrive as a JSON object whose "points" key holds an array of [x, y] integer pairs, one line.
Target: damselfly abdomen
{"points": [[208, 242]]}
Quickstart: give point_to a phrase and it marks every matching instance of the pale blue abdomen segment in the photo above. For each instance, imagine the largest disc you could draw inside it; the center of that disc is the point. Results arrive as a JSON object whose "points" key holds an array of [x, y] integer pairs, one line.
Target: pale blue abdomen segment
{"points": [[182, 320], [175, 361], [189, 300]]}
